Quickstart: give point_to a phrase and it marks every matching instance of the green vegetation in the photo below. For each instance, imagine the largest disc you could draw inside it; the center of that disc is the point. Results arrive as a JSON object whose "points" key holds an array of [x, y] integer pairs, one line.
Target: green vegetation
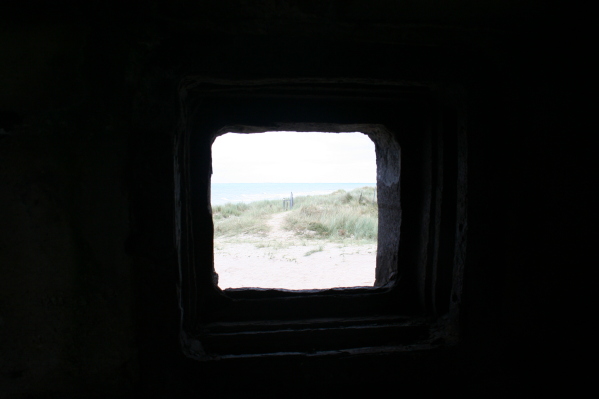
{"points": [[339, 216], [310, 252], [241, 218]]}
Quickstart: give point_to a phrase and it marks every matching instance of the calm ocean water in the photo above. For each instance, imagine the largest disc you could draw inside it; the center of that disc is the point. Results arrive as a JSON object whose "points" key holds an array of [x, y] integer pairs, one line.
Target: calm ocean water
{"points": [[249, 192]]}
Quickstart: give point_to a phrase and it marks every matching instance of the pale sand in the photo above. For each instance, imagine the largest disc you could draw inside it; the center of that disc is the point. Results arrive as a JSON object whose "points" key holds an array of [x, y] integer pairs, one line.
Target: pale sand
{"points": [[283, 260]]}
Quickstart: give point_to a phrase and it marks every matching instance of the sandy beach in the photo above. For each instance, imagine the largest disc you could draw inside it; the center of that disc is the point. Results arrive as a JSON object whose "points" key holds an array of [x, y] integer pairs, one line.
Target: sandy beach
{"points": [[281, 259]]}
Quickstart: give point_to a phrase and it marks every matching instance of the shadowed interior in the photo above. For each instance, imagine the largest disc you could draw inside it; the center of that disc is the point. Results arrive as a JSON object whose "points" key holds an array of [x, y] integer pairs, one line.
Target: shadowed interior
{"points": [[107, 115]]}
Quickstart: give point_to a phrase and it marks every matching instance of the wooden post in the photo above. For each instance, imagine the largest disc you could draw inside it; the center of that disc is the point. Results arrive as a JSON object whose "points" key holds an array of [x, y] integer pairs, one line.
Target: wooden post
{"points": [[291, 201]]}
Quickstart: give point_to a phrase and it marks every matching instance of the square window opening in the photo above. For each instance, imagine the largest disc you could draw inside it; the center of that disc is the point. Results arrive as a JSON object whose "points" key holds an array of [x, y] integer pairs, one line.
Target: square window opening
{"points": [[302, 241], [294, 210]]}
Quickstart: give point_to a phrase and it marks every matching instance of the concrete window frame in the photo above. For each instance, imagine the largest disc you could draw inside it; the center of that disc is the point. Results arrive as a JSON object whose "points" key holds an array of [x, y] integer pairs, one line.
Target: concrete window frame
{"points": [[407, 123]]}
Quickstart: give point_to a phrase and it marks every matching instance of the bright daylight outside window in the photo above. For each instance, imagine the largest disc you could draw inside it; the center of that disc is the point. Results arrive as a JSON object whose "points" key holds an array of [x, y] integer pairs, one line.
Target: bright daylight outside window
{"points": [[294, 210]]}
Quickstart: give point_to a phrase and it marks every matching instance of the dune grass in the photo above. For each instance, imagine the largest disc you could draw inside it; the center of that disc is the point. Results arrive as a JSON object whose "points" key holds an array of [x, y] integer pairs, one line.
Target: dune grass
{"points": [[241, 218], [338, 216], [312, 251]]}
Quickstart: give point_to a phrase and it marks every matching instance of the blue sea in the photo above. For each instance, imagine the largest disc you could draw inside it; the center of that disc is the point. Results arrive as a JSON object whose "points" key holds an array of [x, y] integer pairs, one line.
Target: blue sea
{"points": [[223, 193]]}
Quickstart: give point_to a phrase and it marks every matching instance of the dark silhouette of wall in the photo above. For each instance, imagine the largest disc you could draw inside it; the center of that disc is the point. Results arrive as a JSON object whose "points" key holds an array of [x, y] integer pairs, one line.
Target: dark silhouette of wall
{"points": [[88, 109]]}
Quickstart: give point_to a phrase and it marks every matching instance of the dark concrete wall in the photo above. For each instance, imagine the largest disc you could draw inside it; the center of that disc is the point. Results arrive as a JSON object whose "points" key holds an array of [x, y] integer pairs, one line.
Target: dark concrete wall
{"points": [[88, 104]]}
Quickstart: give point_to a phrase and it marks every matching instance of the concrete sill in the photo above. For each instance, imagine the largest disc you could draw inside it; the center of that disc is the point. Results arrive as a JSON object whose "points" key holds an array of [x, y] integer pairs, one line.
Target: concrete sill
{"points": [[315, 337]]}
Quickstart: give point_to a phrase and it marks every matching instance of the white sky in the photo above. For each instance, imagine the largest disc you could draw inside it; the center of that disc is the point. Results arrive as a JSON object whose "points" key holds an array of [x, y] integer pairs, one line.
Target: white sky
{"points": [[293, 157]]}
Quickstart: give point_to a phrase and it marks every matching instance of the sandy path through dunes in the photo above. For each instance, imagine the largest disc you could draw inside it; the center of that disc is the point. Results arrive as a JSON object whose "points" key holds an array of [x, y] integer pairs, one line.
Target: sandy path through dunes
{"points": [[282, 260], [276, 228]]}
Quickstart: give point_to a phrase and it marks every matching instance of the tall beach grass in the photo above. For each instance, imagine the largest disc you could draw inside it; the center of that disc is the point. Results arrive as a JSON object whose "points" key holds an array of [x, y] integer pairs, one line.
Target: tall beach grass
{"points": [[244, 218], [338, 216]]}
